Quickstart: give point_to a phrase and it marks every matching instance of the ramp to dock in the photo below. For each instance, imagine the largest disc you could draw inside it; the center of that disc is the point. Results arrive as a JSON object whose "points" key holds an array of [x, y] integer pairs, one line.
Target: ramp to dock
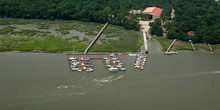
{"points": [[171, 45], [96, 38], [145, 42]]}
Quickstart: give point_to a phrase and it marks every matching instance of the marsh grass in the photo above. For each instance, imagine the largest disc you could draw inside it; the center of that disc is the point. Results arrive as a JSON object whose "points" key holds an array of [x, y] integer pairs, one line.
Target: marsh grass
{"points": [[49, 43]]}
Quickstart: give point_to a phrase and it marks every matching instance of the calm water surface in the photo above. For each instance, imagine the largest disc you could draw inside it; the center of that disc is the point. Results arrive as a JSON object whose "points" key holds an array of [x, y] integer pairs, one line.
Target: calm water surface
{"points": [[188, 81]]}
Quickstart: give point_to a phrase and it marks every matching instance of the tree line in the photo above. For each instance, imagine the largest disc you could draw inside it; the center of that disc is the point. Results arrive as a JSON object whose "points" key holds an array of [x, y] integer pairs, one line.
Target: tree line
{"points": [[201, 16]]}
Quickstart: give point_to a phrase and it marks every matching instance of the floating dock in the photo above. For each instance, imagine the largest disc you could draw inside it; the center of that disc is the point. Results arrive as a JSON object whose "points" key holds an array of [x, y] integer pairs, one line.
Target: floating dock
{"points": [[82, 67], [142, 61], [112, 60]]}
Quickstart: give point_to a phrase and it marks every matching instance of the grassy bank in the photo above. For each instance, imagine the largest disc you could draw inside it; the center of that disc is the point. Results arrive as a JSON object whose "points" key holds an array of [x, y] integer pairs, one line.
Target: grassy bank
{"points": [[182, 45], [49, 43], [39, 35]]}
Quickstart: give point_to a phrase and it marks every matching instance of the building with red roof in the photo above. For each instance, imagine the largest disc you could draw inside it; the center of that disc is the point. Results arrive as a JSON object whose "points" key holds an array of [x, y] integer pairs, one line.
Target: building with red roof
{"points": [[155, 12]]}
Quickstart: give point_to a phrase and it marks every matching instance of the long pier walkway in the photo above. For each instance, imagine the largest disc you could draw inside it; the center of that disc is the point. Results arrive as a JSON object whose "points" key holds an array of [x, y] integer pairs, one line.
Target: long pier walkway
{"points": [[96, 38], [146, 50], [211, 50], [171, 45], [192, 46], [142, 61], [82, 67], [112, 60]]}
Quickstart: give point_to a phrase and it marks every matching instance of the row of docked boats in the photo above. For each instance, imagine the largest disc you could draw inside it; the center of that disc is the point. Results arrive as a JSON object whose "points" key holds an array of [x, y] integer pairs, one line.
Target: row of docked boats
{"points": [[113, 63], [140, 61], [76, 64], [81, 58]]}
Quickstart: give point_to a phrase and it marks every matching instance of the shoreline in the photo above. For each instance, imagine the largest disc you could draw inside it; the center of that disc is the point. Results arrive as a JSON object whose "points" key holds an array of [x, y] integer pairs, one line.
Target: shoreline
{"points": [[98, 52]]}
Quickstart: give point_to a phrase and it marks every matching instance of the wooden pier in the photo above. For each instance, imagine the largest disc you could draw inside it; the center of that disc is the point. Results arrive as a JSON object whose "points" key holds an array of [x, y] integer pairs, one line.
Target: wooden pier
{"points": [[171, 45], [96, 38], [112, 60], [192, 46], [142, 61], [210, 48], [82, 67]]}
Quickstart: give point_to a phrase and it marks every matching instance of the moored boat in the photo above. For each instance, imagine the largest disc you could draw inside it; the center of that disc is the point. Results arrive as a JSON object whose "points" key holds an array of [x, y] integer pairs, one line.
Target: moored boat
{"points": [[89, 69], [113, 69]]}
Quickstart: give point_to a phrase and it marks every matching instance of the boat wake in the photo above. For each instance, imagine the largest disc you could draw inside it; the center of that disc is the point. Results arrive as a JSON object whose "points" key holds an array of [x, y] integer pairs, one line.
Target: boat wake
{"points": [[86, 87], [215, 72], [108, 79]]}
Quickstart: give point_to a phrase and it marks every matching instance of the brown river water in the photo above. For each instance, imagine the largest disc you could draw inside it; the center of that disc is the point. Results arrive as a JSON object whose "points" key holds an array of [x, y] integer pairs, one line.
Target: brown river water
{"points": [[188, 81]]}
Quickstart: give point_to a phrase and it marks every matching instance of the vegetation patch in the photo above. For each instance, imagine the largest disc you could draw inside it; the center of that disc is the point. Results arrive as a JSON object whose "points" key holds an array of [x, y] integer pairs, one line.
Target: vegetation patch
{"points": [[49, 43], [7, 30], [43, 26], [128, 42]]}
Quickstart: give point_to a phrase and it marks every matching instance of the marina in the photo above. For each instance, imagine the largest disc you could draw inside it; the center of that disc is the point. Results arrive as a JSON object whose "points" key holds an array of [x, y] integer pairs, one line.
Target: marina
{"points": [[78, 64], [82, 63], [113, 63]]}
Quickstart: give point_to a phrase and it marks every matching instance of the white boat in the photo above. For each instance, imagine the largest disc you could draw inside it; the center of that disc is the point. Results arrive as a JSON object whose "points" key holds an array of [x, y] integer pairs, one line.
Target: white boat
{"points": [[89, 69], [114, 58], [72, 58], [84, 59], [113, 69], [75, 63], [79, 70], [112, 55], [117, 61], [132, 54], [137, 66], [74, 69], [167, 53], [88, 65], [119, 66], [108, 66], [123, 69], [106, 58]]}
